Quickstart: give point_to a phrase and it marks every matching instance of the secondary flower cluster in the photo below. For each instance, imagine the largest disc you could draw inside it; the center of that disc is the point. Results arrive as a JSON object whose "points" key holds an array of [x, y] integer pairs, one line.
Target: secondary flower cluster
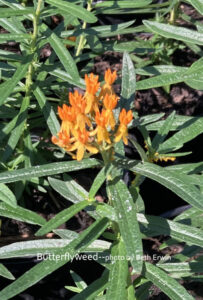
{"points": [[88, 123]]}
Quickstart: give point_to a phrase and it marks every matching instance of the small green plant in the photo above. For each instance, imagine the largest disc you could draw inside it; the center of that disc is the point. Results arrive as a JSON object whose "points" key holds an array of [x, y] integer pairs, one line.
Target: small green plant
{"points": [[38, 152]]}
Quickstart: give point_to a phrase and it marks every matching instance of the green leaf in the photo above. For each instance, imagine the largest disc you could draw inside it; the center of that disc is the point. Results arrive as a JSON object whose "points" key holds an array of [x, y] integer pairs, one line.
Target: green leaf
{"points": [[48, 112], [123, 4], [163, 132], [73, 192], [7, 196], [7, 37], [46, 267], [45, 246], [12, 3], [99, 180], [47, 169], [167, 79], [62, 217], [69, 189], [184, 267], [128, 86], [62, 53], [168, 285], [158, 226], [175, 183], [18, 129], [150, 118], [198, 4], [66, 77], [127, 221], [187, 168], [94, 288], [136, 47], [100, 31], [180, 232], [21, 214], [77, 11], [79, 282], [7, 87], [4, 272], [8, 12], [118, 273], [95, 44], [189, 132], [175, 32], [180, 122]]}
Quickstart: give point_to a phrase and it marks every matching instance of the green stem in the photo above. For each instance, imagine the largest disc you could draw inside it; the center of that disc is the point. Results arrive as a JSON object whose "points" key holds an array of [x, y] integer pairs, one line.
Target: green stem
{"points": [[33, 46], [174, 14], [82, 40], [28, 83]]}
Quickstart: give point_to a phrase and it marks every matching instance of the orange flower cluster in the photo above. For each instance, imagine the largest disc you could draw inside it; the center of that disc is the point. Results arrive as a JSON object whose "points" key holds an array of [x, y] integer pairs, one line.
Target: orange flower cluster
{"points": [[88, 123]]}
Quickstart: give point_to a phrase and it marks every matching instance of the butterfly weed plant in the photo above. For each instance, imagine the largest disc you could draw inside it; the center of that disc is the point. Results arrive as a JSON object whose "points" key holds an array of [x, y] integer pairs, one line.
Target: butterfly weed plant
{"points": [[58, 117]]}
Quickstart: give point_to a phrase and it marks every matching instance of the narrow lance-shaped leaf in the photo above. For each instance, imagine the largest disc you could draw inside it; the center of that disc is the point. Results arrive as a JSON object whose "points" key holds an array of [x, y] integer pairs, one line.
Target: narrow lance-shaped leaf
{"points": [[193, 129], [77, 11], [118, 273], [127, 221], [94, 289], [4, 272], [123, 4], [157, 226], [7, 87], [99, 180], [163, 131], [73, 192], [9, 12], [168, 285], [7, 196], [62, 217], [18, 129], [46, 267], [48, 111], [175, 32], [175, 183], [47, 169], [198, 4], [21, 214], [128, 83], [62, 52], [14, 37]]}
